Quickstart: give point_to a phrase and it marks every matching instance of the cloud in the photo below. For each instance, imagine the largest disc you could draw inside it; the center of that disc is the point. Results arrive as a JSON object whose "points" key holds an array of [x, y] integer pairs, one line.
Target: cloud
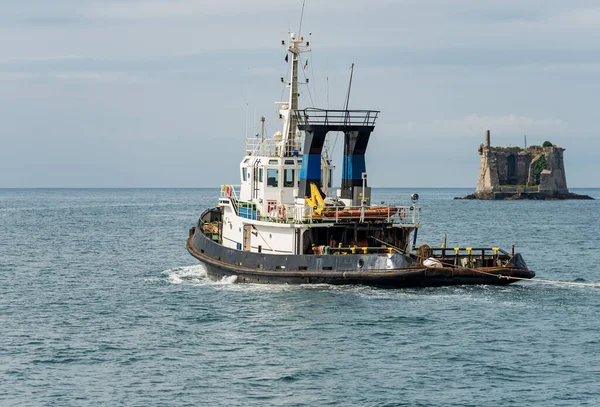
{"points": [[14, 76], [510, 124], [156, 9], [95, 76], [70, 76], [475, 125], [589, 17], [46, 58]]}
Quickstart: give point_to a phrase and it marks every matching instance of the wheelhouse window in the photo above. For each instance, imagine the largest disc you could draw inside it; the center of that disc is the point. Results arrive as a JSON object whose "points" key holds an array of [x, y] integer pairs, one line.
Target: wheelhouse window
{"points": [[288, 177], [273, 162], [260, 175], [272, 177], [244, 173]]}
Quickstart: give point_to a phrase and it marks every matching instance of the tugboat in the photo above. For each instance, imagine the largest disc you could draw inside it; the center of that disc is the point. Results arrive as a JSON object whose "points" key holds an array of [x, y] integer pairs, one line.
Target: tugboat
{"points": [[281, 226]]}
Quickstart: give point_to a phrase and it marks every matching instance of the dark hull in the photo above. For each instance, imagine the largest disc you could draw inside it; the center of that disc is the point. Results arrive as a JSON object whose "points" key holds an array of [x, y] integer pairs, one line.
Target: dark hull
{"points": [[223, 262]]}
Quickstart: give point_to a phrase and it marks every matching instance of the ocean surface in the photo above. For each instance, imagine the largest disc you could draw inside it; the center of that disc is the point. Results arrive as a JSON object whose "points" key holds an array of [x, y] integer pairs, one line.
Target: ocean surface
{"points": [[100, 304]]}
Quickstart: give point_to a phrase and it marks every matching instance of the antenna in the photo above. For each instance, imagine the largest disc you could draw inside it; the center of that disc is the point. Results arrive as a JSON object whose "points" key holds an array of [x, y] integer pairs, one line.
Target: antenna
{"points": [[525, 141], [349, 87], [301, 16], [327, 91], [246, 132]]}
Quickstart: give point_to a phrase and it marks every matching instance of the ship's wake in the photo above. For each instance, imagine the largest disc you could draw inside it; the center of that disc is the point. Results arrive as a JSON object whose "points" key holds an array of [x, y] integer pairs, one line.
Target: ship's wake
{"points": [[194, 275]]}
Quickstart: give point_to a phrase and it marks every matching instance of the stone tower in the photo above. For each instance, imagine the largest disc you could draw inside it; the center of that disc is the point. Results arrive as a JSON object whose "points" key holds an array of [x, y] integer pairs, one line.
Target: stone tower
{"points": [[536, 172]]}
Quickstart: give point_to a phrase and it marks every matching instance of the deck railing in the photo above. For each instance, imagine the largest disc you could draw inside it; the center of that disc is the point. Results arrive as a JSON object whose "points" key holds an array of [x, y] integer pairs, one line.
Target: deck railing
{"points": [[468, 256], [271, 148], [408, 215], [294, 214], [323, 117]]}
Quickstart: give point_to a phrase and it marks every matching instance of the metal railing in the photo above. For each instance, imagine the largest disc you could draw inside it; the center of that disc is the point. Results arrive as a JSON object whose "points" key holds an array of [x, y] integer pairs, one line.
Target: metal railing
{"points": [[295, 214], [256, 146], [471, 256], [407, 215], [322, 117], [271, 148]]}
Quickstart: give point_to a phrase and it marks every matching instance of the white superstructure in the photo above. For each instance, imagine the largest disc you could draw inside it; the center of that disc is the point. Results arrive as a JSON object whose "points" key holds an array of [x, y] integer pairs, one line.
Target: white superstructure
{"points": [[265, 212]]}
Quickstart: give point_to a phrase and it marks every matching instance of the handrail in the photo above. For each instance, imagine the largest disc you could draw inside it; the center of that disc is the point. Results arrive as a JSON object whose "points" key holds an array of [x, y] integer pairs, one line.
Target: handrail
{"points": [[325, 117], [472, 249], [407, 215]]}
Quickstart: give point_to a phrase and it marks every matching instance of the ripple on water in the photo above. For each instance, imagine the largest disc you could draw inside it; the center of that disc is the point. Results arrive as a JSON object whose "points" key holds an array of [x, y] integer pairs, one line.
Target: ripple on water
{"points": [[89, 317]]}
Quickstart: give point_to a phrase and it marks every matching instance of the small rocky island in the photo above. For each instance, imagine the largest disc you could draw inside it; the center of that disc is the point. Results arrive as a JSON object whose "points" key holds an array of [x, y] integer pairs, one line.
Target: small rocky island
{"points": [[535, 172]]}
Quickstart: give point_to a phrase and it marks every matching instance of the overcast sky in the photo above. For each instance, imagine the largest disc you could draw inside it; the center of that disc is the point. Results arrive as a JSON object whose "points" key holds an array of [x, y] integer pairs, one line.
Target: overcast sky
{"points": [[155, 93]]}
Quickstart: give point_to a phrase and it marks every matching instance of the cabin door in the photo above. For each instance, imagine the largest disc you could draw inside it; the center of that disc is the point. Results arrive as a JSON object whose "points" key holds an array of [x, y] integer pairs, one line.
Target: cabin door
{"points": [[247, 237]]}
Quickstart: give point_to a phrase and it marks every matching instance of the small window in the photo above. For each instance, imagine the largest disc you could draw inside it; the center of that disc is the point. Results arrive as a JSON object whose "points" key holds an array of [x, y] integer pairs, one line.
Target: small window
{"points": [[273, 162], [272, 177], [289, 162], [260, 175], [288, 177], [246, 161], [244, 173], [329, 178]]}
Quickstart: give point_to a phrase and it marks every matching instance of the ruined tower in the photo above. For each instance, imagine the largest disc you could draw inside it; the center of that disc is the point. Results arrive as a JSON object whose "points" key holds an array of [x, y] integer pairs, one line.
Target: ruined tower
{"points": [[536, 172]]}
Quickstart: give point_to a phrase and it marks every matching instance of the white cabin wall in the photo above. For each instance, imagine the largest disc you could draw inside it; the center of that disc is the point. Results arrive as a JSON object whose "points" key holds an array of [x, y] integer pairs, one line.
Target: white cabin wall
{"points": [[273, 239]]}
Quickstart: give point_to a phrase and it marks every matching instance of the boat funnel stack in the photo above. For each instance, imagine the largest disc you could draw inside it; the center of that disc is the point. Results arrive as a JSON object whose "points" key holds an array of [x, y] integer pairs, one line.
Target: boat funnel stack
{"points": [[357, 126]]}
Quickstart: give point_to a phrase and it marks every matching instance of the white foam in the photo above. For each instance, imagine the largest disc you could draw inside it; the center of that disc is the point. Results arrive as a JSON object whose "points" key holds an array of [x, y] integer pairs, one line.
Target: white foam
{"points": [[227, 280], [193, 275]]}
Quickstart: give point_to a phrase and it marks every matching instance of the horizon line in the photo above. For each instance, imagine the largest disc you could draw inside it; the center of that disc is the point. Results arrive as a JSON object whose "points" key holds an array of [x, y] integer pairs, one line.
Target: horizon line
{"points": [[219, 187]]}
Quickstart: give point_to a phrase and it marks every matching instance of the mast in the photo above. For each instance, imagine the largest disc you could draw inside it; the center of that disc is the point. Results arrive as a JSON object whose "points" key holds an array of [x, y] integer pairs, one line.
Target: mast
{"points": [[290, 125], [293, 128]]}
